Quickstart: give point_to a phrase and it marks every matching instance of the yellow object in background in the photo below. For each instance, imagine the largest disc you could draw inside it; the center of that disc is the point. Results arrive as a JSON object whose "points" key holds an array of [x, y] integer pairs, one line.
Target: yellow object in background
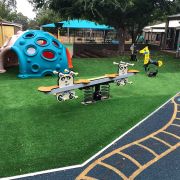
{"points": [[7, 30], [160, 63], [146, 52]]}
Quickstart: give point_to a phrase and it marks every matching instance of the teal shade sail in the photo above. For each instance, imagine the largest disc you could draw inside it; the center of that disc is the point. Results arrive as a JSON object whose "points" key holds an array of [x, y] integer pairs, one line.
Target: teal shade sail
{"points": [[79, 24]]}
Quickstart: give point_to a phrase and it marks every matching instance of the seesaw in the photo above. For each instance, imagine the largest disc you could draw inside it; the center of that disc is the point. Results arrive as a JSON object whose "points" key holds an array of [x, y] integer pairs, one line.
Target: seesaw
{"points": [[94, 89]]}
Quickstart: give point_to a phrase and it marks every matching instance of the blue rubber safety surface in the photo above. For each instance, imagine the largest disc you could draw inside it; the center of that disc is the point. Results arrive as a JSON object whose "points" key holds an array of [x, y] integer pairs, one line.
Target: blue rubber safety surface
{"points": [[149, 151]]}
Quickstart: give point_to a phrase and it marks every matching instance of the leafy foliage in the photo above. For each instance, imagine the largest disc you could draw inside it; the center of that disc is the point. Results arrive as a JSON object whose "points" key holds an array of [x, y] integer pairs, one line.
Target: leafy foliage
{"points": [[8, 12], [21, 19], [125, 15], [6, 9], [45, 16], [124, 11], [11, 4]]}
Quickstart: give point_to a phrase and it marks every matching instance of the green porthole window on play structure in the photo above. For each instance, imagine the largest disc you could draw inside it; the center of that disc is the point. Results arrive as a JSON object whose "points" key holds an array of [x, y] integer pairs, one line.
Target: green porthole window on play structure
{"points": [[35, 67]]}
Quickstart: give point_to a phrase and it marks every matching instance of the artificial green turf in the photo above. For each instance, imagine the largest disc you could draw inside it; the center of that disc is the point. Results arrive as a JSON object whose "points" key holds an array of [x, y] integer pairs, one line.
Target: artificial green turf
{"points": [[39, 133]]}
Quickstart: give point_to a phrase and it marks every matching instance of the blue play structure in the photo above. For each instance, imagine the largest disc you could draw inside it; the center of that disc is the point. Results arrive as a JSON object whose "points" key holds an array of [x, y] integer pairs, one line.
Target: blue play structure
{"points": [[38, 53]]}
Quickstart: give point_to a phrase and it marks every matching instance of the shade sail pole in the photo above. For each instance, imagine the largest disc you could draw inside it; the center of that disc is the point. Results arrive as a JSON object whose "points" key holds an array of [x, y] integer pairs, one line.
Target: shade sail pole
{"points": [[178, 46], [165, 35], [68, 32]]}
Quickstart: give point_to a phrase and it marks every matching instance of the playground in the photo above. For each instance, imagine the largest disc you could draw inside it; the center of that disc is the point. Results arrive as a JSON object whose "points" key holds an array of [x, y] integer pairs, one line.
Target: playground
{"points": [[38, 133], [144, 151], [89, 90]]}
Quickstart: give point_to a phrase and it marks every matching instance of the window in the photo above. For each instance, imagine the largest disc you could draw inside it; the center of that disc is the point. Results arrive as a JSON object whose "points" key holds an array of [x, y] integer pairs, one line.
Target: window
{"points": [[41, 42], [35, 67], [55, 43], [29, 35], [48, 55], [31, 51]]}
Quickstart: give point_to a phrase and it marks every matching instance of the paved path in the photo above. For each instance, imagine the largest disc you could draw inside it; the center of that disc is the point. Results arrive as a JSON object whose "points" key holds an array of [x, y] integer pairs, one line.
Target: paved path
{"points": [[149, 151]]}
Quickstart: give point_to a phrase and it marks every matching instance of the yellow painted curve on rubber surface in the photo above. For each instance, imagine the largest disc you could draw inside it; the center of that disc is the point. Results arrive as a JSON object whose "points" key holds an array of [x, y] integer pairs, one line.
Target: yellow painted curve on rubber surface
{"points": [[171, 148]]}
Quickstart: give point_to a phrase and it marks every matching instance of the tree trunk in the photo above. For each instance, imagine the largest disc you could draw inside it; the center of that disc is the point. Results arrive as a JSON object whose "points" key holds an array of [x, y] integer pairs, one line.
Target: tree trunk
{"points": [[121, 37], [132, 36], [135, 36]]}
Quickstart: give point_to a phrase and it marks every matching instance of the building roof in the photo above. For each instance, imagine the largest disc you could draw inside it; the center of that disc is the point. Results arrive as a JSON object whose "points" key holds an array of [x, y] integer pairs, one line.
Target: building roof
{"points": [[7, 23], [161, 27], [78, 24], [154, 30], [172, 24], [174, 17]]}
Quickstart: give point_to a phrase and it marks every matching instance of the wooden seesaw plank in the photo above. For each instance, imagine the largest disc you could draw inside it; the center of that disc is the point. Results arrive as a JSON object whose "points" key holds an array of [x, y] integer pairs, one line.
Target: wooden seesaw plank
{"points": [[80, 81], [86, 81], [47, 88], [133, 71], [91, 83], [83, 81], [111, 75]]}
